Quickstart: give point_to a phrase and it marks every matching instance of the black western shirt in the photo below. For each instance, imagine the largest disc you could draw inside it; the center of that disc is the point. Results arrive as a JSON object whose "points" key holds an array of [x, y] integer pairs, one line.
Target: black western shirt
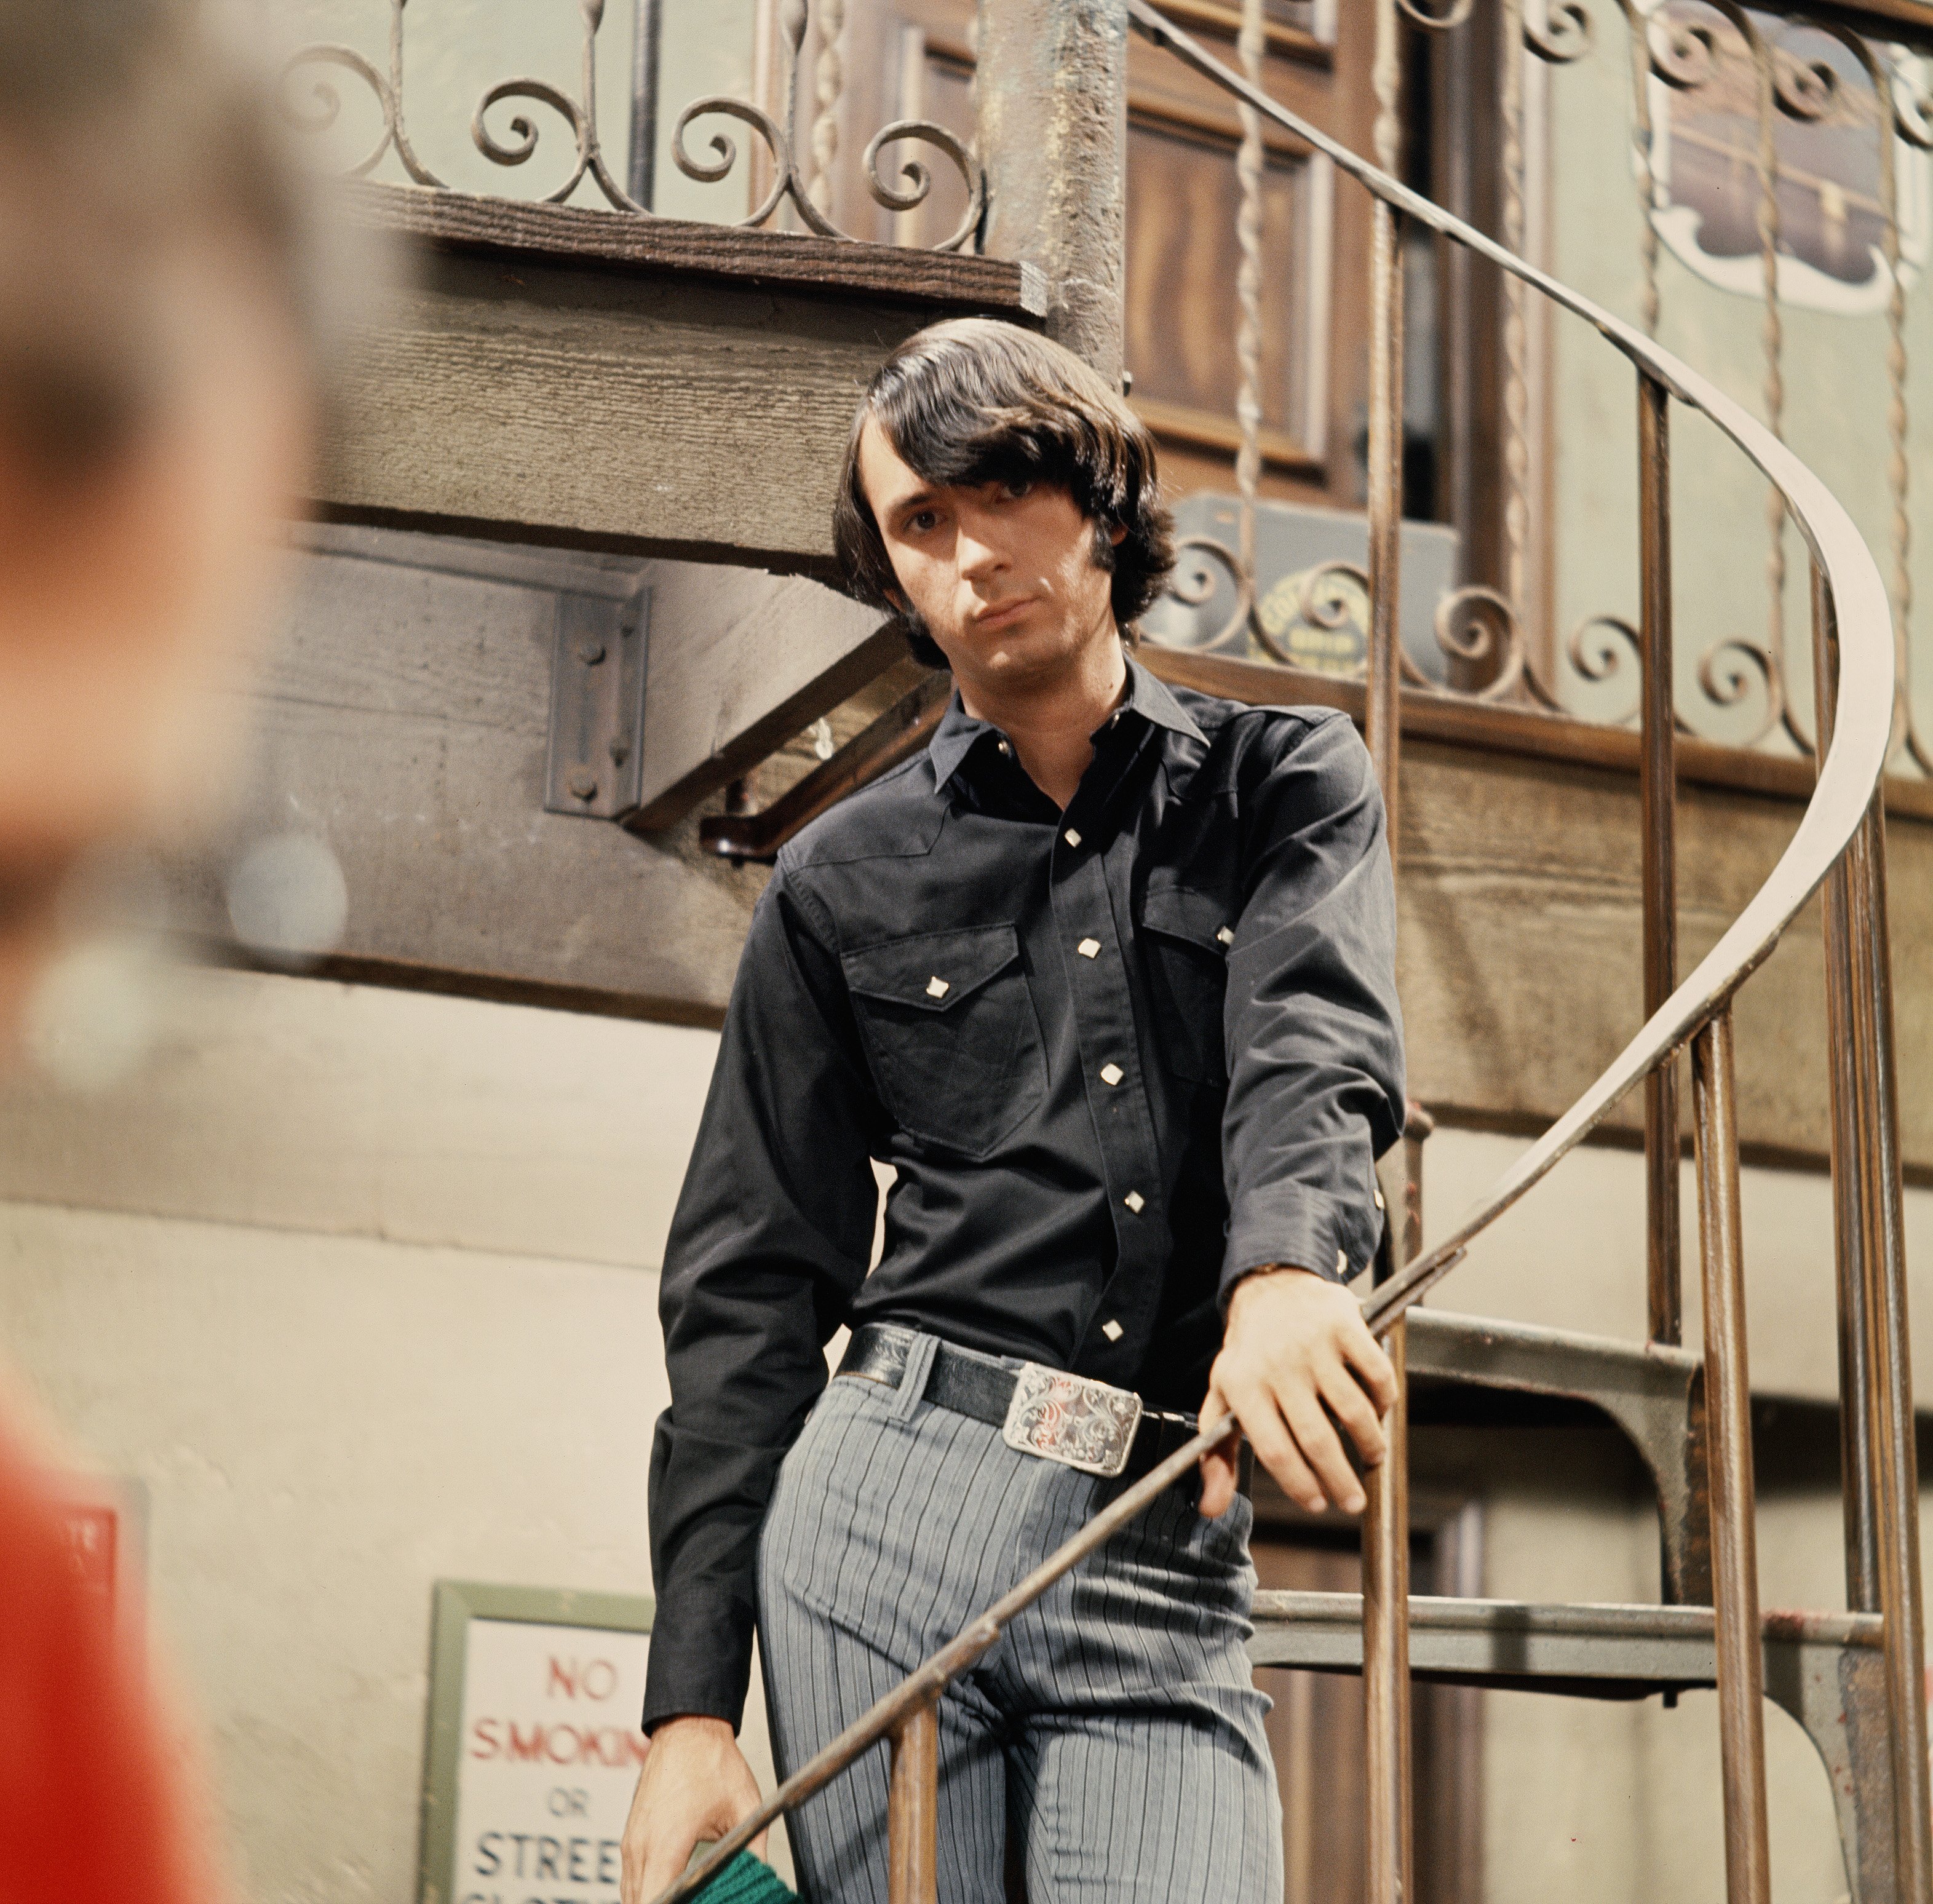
{"points": [[1117, 1057]]}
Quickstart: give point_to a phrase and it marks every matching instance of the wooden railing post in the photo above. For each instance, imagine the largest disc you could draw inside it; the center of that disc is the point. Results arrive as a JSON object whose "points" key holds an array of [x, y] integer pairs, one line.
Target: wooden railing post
{"points": [[1728, 1414], [1052, 108], [912, 1809]]}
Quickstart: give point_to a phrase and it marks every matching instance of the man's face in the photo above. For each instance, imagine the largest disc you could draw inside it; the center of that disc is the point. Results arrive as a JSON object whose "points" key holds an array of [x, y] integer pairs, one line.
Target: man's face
{"points": [[1002, 574]]}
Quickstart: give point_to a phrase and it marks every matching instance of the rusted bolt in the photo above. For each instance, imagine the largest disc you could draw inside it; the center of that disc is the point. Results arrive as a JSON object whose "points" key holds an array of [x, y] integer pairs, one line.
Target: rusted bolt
{"points": [[583, 785], [591, 653]]}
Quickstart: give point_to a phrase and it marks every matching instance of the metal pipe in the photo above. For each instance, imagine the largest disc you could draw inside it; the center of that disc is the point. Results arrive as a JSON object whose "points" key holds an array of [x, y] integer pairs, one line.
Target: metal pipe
{"points": [[1657, 798], [641, 173], [1387, 1809], [1858, 1473], [1728, 1415], [912, 1809]]}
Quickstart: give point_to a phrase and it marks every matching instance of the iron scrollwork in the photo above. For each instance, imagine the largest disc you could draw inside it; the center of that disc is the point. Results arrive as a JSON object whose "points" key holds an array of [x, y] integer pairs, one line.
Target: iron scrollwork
{"points": [[316, 109]]}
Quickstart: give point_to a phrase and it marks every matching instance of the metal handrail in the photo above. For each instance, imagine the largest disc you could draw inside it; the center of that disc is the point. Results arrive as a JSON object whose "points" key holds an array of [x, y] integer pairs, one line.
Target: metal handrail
{"points": [[1833, 821]]}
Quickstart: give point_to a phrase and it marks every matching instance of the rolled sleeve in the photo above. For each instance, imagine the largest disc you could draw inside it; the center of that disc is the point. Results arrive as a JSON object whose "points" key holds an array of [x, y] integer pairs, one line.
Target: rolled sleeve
{"points": [[1314, 1031], [772, 1236]]}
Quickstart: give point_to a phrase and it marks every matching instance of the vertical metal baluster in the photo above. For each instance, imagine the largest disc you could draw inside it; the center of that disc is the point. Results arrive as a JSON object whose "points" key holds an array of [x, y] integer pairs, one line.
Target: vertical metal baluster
{"points": [[641, 168], [1728, 1416], [1386, 1515], [1658, 795], [1858, 1475], [1889, 1356], [912, 1809]]}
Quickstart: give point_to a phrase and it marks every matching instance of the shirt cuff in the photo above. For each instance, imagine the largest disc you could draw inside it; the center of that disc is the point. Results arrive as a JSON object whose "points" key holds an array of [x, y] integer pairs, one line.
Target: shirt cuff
{"points": [[701, 1658], [1291, 1224]]}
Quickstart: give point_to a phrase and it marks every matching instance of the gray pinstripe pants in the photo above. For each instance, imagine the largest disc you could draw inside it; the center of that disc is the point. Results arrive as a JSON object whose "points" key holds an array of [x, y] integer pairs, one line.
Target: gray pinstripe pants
{"points": [[1117, 1725]]}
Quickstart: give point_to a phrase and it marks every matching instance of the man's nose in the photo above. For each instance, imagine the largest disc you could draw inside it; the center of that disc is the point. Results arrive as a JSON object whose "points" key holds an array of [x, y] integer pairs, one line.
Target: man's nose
{"points": [[978, 552]]}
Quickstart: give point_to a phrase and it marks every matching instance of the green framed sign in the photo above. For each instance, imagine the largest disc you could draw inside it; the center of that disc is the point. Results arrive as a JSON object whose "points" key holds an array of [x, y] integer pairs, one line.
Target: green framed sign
{"points": [[533, 1747]]}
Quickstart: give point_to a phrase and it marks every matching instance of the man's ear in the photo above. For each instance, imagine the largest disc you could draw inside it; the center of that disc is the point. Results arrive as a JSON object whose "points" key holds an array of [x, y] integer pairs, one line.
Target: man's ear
{"points": [[1118, 535]]}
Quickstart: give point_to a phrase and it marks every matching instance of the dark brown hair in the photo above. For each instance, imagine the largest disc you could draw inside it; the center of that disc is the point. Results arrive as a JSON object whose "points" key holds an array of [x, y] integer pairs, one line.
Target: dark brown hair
{"points": [[974, 400]]}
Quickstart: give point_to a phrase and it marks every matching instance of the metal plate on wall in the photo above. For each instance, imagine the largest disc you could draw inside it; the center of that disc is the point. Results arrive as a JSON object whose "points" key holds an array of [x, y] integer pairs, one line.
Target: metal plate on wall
{"points": [[597, 705]]}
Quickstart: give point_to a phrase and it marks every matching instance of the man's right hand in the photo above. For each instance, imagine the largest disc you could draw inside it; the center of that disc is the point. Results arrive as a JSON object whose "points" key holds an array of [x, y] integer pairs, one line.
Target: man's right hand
{"points": [[695, 1785]]}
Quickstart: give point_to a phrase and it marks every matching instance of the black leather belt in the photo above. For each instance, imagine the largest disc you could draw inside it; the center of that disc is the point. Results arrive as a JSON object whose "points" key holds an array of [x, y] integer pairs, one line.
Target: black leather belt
{"points": [[984, 1390]]}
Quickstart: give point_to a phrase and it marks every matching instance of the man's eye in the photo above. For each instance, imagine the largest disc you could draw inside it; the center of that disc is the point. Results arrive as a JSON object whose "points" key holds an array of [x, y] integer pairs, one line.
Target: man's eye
{"points": [[1017, 487], [921, 521]]}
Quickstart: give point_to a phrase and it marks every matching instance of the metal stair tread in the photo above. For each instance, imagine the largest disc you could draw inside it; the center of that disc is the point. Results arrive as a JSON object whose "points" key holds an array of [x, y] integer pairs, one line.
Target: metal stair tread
{"points": [[1618, 1649]]}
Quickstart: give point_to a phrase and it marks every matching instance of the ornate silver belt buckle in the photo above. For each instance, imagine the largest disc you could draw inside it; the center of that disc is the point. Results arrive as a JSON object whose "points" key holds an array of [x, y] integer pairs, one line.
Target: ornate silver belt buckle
{"points": [[1067, 1418]]}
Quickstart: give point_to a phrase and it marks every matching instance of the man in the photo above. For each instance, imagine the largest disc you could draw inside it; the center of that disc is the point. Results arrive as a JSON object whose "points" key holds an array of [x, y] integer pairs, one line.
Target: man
{"points": [[1106, 976]]}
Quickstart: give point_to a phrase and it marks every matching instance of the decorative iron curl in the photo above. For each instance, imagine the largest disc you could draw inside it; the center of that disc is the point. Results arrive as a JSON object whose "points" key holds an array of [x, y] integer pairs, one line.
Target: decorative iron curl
{"points": [[709, 172], [1193, 583], [389, 96], [321, 106], [1806, 89], [1567, 34], [524, 133], [1475, 624], [1912, 107], [1725, 674], [1684, 53], [1599, 648], [919, 181], [1322, 601]]}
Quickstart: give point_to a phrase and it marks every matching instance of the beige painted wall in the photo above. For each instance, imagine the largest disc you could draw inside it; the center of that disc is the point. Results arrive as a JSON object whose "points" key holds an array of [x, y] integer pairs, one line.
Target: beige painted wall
{"points": [[360, 1283]]}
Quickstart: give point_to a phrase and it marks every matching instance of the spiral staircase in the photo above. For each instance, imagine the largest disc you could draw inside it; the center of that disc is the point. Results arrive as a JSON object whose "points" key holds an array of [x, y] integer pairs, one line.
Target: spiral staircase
{"points": [[1852, 1680]]}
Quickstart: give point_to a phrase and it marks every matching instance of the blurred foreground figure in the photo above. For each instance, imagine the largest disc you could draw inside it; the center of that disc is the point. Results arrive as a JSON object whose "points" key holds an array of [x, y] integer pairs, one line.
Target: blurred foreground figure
{"points": [[155, 405], [155, 410]]}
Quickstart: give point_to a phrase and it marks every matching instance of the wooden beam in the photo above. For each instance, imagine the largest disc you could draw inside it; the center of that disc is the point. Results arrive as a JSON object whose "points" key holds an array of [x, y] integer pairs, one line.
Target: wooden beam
{"points": [[646, 386]]}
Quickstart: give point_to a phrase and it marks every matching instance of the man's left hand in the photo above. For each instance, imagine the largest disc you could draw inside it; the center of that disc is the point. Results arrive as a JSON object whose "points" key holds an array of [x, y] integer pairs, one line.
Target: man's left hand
{"points": [[1296, 1353]]}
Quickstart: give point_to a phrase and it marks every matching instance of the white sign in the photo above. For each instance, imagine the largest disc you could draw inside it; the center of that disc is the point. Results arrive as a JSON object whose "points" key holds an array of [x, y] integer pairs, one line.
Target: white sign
{"points": [[550, 1754]]}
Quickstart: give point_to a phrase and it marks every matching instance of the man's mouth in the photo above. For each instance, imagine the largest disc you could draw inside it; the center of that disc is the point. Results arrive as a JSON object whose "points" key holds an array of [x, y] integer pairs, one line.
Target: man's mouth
{"points": [[1001, 613]]}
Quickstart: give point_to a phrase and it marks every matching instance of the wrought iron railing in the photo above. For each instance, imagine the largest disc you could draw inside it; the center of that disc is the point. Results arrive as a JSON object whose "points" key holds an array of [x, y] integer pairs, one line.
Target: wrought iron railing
{"points": [[1839, 844], [1691, 48], [797, 177]]}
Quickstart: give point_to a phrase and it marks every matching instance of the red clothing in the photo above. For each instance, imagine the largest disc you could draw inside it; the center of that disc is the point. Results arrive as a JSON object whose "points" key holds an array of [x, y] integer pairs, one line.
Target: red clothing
{"points": [[93, 1805]]}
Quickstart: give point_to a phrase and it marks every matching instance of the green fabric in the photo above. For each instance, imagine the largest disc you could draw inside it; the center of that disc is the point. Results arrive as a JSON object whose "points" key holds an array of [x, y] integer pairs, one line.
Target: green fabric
{"points": [[748, 1880]]}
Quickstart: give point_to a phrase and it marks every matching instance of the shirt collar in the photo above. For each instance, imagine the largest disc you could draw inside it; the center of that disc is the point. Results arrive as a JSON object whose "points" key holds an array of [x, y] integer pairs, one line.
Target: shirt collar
{"points": [[958, 731]]}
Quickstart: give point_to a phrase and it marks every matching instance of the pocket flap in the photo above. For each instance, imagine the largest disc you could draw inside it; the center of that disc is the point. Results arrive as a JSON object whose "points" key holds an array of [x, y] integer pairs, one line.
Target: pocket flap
{"points": [[1180, 912], [933, 971]]}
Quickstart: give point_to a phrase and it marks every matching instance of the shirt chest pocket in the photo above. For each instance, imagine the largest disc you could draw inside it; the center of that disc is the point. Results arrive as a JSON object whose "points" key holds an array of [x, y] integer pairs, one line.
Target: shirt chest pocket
{"points": [[1185, 937], [950, 1028]]}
